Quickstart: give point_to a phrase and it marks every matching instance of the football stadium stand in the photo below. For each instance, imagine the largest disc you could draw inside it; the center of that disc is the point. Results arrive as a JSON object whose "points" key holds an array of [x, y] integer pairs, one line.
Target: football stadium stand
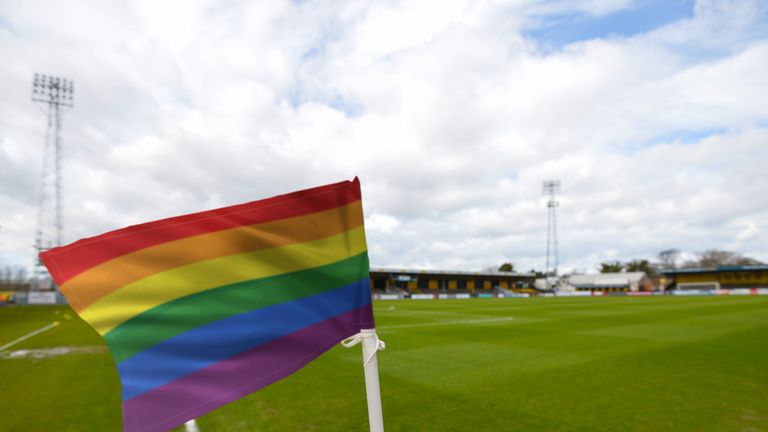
{"points": [[717, 278], [405, 281]]}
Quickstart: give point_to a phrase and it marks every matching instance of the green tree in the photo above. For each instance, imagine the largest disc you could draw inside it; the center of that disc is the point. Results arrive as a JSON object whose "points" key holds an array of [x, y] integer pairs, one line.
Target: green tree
{"points": [[637, 265], [507, 267], [611, 267], [717, 258], [668, 258]]}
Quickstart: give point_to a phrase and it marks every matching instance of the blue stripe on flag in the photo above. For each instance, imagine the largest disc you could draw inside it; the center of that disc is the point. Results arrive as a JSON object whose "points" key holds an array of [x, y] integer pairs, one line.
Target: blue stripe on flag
{"points": [[203, 346]]}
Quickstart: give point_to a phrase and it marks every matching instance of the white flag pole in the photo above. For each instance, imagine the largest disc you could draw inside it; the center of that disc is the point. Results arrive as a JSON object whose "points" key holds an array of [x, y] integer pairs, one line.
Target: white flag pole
{"points": [[371, 344], [191, 426]]}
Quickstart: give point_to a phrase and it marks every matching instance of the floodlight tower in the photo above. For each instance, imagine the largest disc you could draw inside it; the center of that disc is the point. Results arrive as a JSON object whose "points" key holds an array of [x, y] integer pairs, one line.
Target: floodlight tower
{"points": [[551, 188], [55, 95]]}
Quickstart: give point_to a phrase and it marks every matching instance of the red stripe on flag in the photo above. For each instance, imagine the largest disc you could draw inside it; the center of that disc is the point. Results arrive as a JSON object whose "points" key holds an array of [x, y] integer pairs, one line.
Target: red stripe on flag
{"points": [[68, 261]]}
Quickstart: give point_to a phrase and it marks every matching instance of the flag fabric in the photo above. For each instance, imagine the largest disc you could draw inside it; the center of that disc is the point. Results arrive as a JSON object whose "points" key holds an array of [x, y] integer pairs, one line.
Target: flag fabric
{"points": [[202, 309]]}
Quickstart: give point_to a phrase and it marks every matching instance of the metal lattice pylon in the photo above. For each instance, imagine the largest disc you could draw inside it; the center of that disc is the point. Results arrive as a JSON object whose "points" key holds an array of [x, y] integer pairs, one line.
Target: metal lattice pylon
{"points": [[551, 188], [54, 95]]}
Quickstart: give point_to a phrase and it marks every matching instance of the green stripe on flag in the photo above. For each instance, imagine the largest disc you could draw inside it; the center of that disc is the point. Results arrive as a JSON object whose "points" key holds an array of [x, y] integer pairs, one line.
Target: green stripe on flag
{"points": [[186, 313]]}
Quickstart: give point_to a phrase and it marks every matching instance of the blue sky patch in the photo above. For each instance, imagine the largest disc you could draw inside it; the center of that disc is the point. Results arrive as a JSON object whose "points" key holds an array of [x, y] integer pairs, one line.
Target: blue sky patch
{"points": [[555, 31], [4, 23], [687, 136], [351, 109], [680, 136]]}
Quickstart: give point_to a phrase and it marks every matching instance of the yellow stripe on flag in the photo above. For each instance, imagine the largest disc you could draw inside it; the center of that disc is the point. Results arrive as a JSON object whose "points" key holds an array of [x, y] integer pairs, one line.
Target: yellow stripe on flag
{"points": [[137, 297]]}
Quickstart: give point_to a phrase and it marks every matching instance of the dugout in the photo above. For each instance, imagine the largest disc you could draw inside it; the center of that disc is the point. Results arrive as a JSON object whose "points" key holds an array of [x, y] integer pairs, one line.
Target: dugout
{"points": [[715, 278], [435, 281]]}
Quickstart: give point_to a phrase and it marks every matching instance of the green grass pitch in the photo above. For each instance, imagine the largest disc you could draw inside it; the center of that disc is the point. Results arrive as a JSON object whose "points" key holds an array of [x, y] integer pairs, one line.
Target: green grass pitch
{"points": [[543, 364]]}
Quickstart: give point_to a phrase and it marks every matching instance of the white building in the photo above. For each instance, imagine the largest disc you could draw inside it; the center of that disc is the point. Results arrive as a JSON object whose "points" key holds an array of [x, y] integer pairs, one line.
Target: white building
{"points": [[610, 282]]}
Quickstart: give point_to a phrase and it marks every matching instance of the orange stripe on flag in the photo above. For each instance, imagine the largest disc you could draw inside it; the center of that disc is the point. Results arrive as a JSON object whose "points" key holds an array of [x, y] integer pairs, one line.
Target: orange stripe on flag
{"points": [[86, 288]]}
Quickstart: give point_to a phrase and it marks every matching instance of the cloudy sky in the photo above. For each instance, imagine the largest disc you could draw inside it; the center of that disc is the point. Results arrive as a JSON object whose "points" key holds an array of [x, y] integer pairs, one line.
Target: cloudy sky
{"points": [[652, 113]]}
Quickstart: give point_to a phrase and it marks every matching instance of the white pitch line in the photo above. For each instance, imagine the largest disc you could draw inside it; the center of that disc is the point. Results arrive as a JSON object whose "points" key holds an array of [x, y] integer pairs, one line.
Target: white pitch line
{"points": [[29, 335], [41, 353], [442, 323]]}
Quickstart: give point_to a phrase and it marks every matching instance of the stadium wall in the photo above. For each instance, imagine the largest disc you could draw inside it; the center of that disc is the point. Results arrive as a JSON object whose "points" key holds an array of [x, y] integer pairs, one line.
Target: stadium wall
{"points": [[731, 292]]}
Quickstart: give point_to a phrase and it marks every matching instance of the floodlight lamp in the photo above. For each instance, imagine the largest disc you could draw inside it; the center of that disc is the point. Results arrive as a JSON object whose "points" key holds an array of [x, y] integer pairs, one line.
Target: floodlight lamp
{"points": [[52, 90], [551, 187]]}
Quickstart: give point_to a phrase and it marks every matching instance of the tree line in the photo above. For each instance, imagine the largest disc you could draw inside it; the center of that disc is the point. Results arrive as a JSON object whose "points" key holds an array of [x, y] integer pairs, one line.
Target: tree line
{"points": [[14, 278], [666, 259], [670, 259]]}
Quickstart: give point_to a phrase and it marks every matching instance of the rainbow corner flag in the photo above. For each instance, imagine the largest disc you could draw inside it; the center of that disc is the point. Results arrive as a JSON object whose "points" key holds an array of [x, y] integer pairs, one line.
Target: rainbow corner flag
{"points": [[202, 309]]}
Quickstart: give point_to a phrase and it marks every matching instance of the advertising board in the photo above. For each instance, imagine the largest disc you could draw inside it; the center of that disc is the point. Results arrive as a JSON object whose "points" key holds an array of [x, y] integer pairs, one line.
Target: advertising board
{"points": [[41, 297]]}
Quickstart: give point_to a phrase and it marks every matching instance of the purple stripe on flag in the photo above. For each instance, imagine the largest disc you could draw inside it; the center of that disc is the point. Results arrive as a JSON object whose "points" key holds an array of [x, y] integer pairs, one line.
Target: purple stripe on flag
{"points": [[195, 394]]}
